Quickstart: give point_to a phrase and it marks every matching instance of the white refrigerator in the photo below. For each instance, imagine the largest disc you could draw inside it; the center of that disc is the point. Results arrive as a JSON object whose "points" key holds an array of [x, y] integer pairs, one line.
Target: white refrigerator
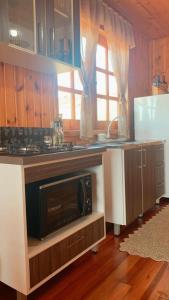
{"points": [[151, 121]]}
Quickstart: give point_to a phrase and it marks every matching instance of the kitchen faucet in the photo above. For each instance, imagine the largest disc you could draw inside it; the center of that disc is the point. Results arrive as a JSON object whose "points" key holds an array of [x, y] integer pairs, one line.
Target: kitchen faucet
{"points": [[108, 128]]}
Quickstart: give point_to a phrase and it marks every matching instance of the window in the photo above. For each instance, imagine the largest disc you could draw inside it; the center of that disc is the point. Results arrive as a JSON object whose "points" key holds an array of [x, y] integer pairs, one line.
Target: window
{"points": [[70, 91], [107, 94], [69, 98]]}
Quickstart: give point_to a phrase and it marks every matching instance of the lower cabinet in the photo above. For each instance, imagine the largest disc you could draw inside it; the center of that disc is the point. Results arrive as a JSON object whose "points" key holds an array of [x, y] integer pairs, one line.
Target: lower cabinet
{"points": [[134, 179], [53, 258], [158, 159], [133, 186], [148, 178]]}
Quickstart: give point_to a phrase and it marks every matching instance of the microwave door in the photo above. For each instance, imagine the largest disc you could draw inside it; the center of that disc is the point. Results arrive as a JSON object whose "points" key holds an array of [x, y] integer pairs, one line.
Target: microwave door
{"points": [[63, 202]]}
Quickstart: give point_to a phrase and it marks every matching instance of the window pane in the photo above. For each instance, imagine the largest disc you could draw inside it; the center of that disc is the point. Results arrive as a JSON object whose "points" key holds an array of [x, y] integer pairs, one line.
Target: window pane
{"points": [[78, 99], [110, 65], [65, 104], [64, 79], [101, 57], [78, 83], [101, 83], [101, 109], [112, 109], [113, 86]]}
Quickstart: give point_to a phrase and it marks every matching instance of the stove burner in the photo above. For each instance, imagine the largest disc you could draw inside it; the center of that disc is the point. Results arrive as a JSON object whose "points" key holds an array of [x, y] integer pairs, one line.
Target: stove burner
{"points": [[21, 150], [57, 148]]}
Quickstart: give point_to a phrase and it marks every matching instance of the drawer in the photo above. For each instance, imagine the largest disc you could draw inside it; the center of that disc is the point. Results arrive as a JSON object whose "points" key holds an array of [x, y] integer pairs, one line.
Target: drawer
{"points": [[48, 261]]}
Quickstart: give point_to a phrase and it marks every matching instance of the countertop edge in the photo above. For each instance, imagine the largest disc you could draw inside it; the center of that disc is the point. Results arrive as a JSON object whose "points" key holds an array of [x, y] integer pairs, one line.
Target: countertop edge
{"points": [[48, 158]]}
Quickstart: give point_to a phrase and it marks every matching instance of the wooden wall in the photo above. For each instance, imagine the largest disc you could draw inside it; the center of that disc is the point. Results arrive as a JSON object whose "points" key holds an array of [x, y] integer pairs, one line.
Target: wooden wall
{"points": [[27, 98], [159, 58], [139, 74]]}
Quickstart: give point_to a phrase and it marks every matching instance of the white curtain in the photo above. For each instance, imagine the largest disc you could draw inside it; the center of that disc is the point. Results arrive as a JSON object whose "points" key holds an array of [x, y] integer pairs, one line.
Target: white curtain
{"points": [[90, 11], [120, 39]]}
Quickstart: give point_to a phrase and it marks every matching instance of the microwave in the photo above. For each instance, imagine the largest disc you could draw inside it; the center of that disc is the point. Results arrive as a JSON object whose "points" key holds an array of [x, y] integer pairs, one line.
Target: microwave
{"points": [[53, 203]]}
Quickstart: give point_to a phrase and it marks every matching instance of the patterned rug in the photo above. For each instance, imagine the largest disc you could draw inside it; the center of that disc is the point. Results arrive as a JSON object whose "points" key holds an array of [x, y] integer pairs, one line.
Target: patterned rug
{"points": [[152, 239]]}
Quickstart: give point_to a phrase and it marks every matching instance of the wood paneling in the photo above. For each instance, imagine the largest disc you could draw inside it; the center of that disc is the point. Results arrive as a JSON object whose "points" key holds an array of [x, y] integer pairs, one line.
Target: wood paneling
{"points": [[10, 95], [47, 262], [20, 97], [149, 17], [133, 183], [148, 179], [27, 98], [159, 58], [139, 78], [158, 161], [2, 97]]}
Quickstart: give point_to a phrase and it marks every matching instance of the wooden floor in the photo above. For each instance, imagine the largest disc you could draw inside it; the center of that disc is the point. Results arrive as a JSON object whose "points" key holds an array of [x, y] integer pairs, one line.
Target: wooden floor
{"points": [[108, 275]]}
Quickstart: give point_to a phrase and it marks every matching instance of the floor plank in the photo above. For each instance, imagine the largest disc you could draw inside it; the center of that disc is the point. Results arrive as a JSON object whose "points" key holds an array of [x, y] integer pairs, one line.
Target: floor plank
{"points": [[107, 275]]}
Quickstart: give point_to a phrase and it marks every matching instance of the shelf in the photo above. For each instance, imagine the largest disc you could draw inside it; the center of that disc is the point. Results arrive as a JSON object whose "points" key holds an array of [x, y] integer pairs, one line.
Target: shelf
{"points": [[30, 60], [36, 246]]}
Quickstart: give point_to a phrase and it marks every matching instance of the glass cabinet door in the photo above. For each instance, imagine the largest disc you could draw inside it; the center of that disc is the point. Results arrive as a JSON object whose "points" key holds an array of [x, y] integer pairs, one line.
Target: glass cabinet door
{"points": [[60, 30], [17, 23]]}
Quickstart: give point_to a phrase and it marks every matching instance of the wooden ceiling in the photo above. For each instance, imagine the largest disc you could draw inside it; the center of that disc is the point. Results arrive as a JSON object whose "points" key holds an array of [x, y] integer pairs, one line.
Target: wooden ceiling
{"points": [[150, 17]]}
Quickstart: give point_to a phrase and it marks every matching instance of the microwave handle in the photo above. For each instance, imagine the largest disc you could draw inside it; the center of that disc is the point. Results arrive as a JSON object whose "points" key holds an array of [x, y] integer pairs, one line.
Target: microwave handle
{"points": [[82, 199]]}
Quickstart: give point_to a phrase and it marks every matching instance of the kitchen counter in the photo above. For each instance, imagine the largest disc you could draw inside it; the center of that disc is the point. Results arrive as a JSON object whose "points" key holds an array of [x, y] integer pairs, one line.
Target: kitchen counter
{"points": [[88, 150], [47, 158]]}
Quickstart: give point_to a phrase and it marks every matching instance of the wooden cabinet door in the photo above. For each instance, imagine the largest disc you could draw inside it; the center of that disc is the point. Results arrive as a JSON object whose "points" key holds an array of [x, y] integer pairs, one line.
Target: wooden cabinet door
{"points": [[63, 30], [133, 183], [158, 165], [17, 23], [148, 177], [60, 30]]}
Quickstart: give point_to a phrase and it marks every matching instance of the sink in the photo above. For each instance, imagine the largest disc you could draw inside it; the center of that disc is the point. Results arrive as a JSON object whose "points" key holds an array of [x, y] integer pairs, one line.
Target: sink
{"points": [[113, 141]]}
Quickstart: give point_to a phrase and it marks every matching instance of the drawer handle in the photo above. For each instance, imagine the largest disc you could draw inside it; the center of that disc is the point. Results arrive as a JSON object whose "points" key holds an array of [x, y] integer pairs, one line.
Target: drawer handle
{"points": [[80, 238]]}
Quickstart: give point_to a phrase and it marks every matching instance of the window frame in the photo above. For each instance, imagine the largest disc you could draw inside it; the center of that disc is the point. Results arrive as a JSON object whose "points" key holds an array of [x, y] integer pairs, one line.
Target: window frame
{"points": [[71, 124], [101, 125]]}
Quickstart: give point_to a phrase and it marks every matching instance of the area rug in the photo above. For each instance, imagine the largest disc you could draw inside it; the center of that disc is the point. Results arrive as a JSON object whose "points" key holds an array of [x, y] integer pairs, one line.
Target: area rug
{"points": [[152, 239]]}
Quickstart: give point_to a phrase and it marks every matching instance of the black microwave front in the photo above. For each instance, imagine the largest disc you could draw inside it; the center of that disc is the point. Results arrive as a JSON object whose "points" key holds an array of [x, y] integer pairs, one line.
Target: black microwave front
{"points": [[53, 203]]}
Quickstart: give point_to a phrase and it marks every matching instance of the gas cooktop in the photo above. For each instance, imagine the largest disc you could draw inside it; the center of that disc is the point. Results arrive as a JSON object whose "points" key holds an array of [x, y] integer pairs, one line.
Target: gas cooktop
{"points": [[28, 150]]}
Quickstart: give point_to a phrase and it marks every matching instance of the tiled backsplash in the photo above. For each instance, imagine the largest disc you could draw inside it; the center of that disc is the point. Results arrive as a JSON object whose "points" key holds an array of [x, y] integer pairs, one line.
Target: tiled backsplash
{"points": [[23, 136]]}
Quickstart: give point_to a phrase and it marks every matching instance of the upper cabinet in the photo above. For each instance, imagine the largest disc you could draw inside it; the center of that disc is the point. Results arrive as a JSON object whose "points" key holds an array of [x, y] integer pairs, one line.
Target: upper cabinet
{"points": [[50, 28], [17, 23], [58, 30]]}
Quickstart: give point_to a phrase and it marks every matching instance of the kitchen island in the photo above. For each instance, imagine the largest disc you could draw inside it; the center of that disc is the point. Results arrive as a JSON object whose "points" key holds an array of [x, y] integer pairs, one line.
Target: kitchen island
{"points": [[27, 263]]}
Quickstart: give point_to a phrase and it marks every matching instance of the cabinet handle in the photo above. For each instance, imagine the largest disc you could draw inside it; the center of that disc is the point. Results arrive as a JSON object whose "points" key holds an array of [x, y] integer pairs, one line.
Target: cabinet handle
{"points": [[140, 166], [51, 41], [40, 38], [145, 158]]}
